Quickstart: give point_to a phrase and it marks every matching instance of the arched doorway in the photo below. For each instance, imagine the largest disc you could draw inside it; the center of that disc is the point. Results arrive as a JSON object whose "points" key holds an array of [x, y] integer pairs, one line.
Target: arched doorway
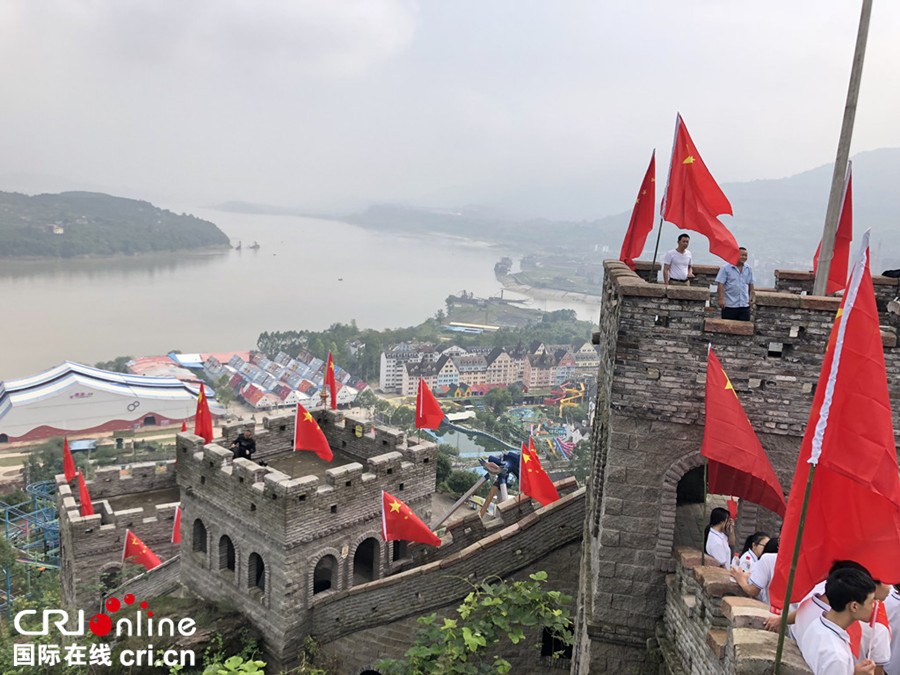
{"points": [[325, 574], [4, 438], [150, 421], [689, 522], [365, 562]]}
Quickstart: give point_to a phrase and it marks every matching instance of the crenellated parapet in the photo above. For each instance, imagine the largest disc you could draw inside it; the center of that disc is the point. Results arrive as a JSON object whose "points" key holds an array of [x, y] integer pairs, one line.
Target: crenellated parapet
{"points": [[306, 507], [92, 545], [712, 627], [141, 477]]}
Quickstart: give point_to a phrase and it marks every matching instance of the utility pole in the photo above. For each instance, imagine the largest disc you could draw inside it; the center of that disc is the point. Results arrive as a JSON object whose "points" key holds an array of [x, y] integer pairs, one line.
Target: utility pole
{"points": [[843, 154]]}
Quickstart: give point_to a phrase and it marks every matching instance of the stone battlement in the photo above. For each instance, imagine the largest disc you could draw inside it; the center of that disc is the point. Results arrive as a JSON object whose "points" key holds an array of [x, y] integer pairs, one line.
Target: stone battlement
{"points": [[141, 477], [712, 627], [423, 588], [92, 545], [304, 508]]}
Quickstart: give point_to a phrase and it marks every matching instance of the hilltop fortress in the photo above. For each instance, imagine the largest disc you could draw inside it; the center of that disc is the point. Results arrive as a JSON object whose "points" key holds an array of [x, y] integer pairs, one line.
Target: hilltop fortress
{"points": [[297, 547]]}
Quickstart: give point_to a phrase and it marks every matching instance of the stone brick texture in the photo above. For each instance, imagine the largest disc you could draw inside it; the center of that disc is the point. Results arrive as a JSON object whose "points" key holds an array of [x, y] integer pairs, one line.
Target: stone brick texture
{"points": [[648, 430], [253, 537], [91, 547], [712, 628]]}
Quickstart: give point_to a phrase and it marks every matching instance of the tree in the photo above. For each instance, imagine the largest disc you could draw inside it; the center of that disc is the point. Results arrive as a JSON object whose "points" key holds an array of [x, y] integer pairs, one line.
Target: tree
{"points": [[499, 398], [117, 365], [460, 481], [444, 467], [494, 614], [224, 392], [439, 316]]}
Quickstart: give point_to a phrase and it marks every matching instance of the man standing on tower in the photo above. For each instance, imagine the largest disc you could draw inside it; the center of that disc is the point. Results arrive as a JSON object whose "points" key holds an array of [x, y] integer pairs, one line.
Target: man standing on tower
{"points": [[677, 267], [735, 287]]}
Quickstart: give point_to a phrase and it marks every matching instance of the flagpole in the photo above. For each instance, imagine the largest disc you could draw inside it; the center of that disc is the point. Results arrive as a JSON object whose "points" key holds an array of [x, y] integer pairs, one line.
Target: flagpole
{"points": [[785, 609], [652, 276], [705, 496], [840, 163]]}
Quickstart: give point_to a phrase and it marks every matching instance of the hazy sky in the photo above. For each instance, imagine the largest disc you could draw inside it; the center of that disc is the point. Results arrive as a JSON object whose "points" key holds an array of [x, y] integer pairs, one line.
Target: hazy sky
{"points": [[546, 108]]}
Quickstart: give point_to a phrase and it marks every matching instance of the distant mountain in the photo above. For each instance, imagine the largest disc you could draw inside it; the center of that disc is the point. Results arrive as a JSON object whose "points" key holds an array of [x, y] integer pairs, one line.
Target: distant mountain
{"points": [[90, 223], [779, 220]]}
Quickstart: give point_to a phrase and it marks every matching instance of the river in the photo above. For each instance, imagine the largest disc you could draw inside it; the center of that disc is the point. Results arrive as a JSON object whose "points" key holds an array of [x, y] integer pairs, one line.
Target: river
{"points": [[307, 274]]}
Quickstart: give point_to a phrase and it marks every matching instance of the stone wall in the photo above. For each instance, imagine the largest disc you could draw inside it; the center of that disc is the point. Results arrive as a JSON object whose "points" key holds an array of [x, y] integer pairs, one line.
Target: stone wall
{"points": [[141, 477], [712, 628], [377, 620], [255, 537], [164, 579], [649, 427], [91, 547]]}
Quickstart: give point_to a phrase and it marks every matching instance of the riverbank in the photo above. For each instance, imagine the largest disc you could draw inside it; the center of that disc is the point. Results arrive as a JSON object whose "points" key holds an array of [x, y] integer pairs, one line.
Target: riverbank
{"points": [[509, 283]]}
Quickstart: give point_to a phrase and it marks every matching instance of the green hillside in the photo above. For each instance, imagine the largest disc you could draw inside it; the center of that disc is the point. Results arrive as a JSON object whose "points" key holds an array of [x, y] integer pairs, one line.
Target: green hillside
{"points": [[89, 223]]}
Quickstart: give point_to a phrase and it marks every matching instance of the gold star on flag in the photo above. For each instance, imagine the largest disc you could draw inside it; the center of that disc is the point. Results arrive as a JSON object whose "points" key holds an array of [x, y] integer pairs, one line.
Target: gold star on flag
{"points": [[308, 417], [395, 507], [688, 160], [525, 457], [643, 192]]}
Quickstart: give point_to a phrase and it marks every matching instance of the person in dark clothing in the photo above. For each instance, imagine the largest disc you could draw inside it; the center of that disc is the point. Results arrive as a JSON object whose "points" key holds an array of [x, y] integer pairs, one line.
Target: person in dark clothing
{"points": [[244, 446]]}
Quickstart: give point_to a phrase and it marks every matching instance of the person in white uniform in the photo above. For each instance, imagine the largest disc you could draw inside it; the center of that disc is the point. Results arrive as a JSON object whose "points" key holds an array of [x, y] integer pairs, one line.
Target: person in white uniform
{"points": [[756, 583], [719, 536], [753, 549], [825, 644], [892, 605]]}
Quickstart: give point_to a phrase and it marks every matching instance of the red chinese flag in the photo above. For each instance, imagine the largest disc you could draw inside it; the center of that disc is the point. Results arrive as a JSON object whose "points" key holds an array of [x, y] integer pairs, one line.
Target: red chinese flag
{"points": [[693, 199], [533, 480], [87, 507], [329, 380], [399, 523], [68, 461], [641, 217], [738, 465], [203, 425], [428, 411], [184, 426], [308, 435], [854, 504], [176, 528], [137, 552], [840, 257]]}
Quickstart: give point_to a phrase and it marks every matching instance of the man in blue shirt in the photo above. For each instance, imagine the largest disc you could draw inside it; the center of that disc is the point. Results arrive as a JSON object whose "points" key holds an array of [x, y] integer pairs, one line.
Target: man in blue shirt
{"points": [[735, 286]]}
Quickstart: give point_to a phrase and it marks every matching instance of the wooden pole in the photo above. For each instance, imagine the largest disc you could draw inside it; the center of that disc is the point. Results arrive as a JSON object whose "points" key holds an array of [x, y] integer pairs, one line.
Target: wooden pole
{"points": [[705, 497], [843, 155], [785, 609], [651, 277]]}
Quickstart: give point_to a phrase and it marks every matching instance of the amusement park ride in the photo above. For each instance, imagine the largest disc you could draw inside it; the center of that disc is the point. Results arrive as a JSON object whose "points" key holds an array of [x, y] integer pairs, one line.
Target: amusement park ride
{"points": [[32, 530]]}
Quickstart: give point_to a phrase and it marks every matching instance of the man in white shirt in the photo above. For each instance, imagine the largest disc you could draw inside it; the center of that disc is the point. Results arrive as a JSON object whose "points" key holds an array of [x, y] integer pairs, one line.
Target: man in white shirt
{"points": [[677, 267], [824, 643]]}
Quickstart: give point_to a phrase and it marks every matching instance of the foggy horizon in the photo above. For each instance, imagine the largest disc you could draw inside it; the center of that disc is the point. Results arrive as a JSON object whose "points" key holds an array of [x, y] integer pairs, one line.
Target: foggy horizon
{"points": [[532, 109]]}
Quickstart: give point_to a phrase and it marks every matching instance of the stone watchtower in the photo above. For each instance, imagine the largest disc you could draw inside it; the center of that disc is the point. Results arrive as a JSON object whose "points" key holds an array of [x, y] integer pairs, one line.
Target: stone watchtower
{"points": [[648, 430], [269, 539]]}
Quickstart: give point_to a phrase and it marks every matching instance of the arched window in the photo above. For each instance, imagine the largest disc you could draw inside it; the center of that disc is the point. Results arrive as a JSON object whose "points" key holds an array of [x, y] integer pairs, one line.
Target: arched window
{"points": [[226, 553], [325, 575], [365, 562], [198, 540], [4, 438], [256, 572]]}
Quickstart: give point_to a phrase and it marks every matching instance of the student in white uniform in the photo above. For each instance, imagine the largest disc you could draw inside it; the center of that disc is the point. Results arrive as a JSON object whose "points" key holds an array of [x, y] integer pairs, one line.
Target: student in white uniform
{"points": [[753, 548], [825, 644], [892, 605], [756, 583], [719, 536]]}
